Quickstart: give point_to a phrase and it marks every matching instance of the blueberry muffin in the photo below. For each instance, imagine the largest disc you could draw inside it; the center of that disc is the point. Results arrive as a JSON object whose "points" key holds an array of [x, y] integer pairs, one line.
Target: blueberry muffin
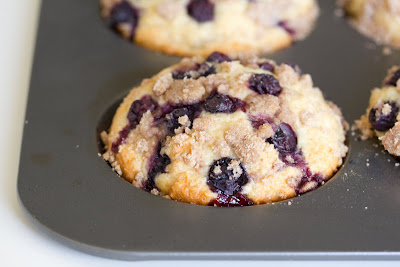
{"points": [[377, 19], [226, 132], [382, 118], [199, 27]]}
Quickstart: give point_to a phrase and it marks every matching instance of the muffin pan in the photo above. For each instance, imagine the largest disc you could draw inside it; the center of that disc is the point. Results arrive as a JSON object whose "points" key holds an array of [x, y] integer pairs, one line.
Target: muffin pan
{"points": [[81, 72]]}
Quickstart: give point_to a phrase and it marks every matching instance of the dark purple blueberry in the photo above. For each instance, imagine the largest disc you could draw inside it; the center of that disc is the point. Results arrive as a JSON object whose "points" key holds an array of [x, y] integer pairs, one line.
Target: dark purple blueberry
{"points": [[200, 70], [218, 57], [158, 163], [265, 84], [258, 121], [124, 12], [172, 118], [204, 70], [172, 113], [122, 135], [224, 180], [308, 177], [218, 103], [284, 24], [267, 66], [237, 200], [285, 139], [395, 77], [201, 10], [381, 122], [139, 107], [294, 158], [135, 113], [180, 75]]}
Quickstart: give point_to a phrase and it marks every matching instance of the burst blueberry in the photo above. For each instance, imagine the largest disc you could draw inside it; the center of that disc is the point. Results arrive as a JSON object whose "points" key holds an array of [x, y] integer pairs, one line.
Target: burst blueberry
{"points": [[201, 10], [218, 103], [225, 178], [139, 107], [158, 163], [395, 77], [124, 12], [122, 135], [205, 69], [173, 117], [383, 122], [218, 57], [135, 114], [199, 70], [265, 84], [285, 139], [285, 25], [180, 75], [267, 66], [237, 200]]}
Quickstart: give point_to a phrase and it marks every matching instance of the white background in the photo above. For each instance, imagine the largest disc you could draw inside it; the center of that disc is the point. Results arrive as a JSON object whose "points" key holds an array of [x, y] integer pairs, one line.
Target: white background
{"points": [[20, 242]]}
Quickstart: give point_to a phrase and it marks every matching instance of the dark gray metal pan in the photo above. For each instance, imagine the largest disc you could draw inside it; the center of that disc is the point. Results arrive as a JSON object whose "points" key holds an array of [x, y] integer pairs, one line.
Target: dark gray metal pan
{"points": [[81, 70]]}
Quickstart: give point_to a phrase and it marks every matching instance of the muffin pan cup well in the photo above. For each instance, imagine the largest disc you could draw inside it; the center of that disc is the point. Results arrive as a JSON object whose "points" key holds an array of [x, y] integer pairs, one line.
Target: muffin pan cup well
{"points": [[82, 70]]}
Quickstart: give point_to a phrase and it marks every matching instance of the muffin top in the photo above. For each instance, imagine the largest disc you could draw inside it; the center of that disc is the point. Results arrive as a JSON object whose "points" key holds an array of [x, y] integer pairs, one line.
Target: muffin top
{"points": [[226, 132], [199, 27]]}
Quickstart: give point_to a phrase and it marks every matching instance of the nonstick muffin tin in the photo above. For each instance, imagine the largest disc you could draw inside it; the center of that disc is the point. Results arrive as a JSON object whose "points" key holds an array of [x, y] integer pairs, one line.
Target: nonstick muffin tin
{"points": [[81, 72]]}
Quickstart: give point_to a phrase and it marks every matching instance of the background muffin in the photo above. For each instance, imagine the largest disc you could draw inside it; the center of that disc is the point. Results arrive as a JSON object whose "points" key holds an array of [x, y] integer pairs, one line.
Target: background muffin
{"points": [[199, 27], [377, 19], [382, 118]]}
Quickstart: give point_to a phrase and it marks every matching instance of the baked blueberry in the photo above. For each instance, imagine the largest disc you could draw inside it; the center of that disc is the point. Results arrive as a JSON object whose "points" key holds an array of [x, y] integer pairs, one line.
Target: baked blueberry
{"points": [[136, 111], [199, 70], [227, 176], [139, 107], [395, 77], [158, 163], [383, 114], [205, 69], [284, 24], [237, 200], [181, 74], [173, 117], [308, 177], [201, 10], [124, 12], [267, 66], [382, 120], [265, 84], [122, 135], [218, 57], [219, 103], [285, 139]]}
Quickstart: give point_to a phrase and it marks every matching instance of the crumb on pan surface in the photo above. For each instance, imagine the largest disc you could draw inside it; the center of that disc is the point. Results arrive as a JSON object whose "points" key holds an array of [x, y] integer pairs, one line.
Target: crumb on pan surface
{"points": [[199, 27], [226, 132]]}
